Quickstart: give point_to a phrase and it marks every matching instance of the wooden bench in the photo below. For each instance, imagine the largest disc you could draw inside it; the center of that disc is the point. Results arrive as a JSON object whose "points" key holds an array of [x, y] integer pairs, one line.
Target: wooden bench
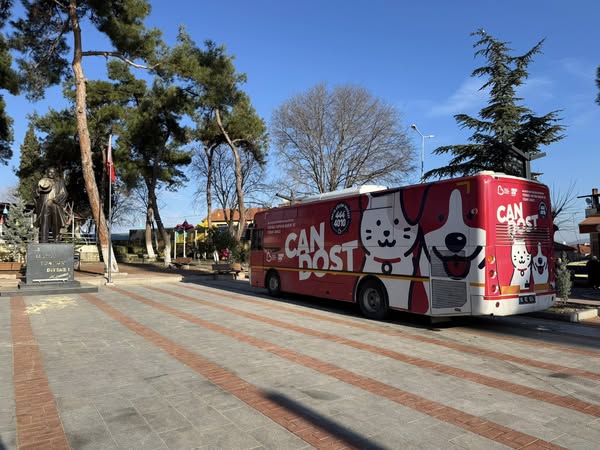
{"points": [[10, 266], [227, 269], [181, 262]]}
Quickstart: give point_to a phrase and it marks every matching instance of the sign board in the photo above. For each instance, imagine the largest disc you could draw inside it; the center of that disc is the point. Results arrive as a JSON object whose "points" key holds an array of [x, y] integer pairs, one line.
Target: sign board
{"points": [[49, 263]]}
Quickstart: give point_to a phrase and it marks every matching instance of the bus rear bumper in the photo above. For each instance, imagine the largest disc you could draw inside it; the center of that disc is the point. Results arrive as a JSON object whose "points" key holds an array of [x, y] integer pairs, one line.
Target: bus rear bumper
{"points": [[508, 306]]}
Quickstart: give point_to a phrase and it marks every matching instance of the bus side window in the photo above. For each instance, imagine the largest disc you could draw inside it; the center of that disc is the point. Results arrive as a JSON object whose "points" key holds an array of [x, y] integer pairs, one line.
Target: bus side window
{"points": [[257, 240]]}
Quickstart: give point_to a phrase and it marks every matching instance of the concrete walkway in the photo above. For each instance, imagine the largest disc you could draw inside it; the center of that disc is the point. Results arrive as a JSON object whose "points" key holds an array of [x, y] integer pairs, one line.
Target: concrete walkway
{"points": [[94, 273]]}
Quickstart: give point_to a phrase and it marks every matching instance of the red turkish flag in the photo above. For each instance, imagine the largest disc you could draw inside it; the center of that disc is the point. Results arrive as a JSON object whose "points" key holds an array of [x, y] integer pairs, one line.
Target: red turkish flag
{"points": [[110, 167]]}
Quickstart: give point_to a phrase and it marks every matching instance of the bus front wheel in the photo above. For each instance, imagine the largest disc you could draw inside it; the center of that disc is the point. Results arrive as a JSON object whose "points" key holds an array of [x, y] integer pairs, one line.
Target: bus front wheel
{"points": [[274, 284], [372, 300]]}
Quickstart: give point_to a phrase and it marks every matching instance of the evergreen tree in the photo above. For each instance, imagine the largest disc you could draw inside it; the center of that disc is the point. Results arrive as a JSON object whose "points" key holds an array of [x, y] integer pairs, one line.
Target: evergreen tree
{"points": [[155, 140], [504, 122], [563, 278], [9, 82], [30, 166], [209, 76], [19, 230], [43, 37]]}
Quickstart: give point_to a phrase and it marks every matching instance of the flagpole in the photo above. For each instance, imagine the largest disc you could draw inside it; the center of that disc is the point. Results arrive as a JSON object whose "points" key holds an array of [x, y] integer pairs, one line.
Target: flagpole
{"points": [[110, 181]]}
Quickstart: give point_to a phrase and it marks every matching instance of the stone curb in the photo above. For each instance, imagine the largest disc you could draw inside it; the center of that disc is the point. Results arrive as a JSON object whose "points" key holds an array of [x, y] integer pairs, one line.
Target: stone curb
{"points": [[575, 316]]}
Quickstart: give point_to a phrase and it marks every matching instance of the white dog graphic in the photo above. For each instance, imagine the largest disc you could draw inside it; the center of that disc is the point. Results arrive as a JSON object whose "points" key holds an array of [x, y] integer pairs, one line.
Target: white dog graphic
{"points": [[539, 267], [449, 247]]}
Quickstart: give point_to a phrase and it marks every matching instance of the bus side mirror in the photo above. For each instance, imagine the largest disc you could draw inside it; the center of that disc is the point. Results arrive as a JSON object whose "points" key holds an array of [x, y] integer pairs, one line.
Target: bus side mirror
{"points": [[248, 234]]}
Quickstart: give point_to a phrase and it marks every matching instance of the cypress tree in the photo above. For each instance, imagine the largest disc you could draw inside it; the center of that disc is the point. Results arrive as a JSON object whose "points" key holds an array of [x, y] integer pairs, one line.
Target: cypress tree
{"points": [[563, 278], [30, 166]]}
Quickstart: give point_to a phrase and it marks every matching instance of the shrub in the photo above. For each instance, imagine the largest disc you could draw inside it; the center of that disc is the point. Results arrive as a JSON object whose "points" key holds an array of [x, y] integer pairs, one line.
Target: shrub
{"points": [[563, 278]]}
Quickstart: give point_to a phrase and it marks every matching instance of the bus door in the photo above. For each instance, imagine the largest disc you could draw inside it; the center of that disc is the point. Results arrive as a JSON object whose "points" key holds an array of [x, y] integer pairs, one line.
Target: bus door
{"points": [[257, 263]]}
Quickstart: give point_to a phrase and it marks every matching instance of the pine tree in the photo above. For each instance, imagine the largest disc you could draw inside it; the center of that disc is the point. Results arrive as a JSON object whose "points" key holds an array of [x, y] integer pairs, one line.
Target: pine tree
{"points": [[19, 230], [30, 167], [504, 122], [50, 38], [9, 82]]}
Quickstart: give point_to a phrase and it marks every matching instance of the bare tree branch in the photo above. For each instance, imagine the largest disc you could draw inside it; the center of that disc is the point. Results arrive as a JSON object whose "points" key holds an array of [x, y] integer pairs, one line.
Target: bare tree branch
{"points": [[327, 140], [120, 56]]}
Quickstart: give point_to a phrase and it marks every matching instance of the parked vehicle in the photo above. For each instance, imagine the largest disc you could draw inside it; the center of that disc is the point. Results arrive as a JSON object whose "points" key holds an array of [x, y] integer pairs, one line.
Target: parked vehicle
{"points": [[578, 271], [478, 245]]}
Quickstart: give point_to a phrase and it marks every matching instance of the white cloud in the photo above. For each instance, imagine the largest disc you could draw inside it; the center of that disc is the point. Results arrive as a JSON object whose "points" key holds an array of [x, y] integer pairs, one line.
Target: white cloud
{"points": [[466, 99], [469, 99], [536, 88], [579, 69]]}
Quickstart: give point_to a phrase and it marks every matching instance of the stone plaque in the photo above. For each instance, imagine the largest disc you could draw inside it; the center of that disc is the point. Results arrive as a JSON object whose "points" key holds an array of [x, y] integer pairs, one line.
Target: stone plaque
{"points": [[49, 263]]}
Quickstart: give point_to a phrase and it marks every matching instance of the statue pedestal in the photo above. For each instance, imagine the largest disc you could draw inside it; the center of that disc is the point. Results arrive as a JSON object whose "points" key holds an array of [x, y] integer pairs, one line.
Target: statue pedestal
{"points": [[50, 263], [50, 270]]}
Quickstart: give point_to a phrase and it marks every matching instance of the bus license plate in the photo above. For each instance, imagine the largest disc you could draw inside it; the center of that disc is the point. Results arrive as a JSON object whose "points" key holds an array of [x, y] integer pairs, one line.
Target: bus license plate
{"points": [[526, 299]]}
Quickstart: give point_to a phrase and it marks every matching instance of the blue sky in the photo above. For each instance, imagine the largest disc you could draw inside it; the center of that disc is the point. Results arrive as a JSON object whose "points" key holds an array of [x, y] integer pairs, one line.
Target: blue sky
{"points": [[417, 56]]}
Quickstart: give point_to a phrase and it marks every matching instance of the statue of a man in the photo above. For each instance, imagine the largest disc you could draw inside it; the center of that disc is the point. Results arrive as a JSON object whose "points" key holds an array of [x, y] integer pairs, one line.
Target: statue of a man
{"points": [[50, 206]]}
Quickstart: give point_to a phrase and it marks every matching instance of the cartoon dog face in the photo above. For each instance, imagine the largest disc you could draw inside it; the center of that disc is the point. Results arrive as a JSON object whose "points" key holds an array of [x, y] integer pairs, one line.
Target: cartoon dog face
{"points": [[387, 236], [450, 246], [521, 260], [539, 266]]}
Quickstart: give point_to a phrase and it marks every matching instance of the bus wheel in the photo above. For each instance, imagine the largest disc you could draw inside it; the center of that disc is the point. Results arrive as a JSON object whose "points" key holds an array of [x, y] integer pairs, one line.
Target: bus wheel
{"points": [[372, 300], [273, 284]]}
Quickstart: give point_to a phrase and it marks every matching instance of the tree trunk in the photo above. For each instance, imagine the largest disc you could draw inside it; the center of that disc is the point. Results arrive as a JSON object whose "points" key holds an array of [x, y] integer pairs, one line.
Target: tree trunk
{"points": [[148, 234], [85, 144], [238, 177], [209, 172], [159, 223]]}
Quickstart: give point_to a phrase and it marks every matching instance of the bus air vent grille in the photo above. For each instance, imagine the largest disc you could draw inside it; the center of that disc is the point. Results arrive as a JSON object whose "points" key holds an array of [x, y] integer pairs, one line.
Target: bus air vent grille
{"points": [[506, 235], [448, 294]]}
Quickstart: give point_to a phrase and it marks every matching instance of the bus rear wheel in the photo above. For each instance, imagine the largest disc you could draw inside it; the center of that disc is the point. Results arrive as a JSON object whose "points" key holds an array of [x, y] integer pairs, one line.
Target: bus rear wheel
{"points": [[274, 284], [372, 300]]}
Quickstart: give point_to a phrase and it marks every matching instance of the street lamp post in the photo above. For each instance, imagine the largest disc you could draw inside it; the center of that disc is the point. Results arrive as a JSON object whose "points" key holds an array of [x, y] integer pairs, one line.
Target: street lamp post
{"points": [[414, 127]]}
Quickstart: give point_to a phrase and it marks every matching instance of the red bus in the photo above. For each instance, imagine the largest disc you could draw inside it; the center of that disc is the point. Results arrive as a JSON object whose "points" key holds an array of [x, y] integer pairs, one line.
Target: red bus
{"points": [[477, 245]]}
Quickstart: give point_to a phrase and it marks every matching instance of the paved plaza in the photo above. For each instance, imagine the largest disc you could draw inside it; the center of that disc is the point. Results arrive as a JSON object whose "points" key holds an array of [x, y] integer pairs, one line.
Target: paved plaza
{"points": [[192, 362]]}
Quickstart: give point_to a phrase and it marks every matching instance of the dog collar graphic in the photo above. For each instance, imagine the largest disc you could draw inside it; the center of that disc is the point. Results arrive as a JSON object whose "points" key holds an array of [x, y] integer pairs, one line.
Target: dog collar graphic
{"points": [[386, 264]]}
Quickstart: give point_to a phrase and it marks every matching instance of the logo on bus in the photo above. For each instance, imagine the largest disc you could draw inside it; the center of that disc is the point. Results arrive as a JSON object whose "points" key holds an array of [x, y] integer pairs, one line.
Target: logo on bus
{"points": [[340, 218]]}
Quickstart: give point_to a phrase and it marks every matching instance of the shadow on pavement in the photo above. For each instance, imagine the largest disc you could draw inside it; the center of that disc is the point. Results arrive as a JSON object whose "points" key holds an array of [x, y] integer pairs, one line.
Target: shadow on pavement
{"points": [[336, 429]]}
